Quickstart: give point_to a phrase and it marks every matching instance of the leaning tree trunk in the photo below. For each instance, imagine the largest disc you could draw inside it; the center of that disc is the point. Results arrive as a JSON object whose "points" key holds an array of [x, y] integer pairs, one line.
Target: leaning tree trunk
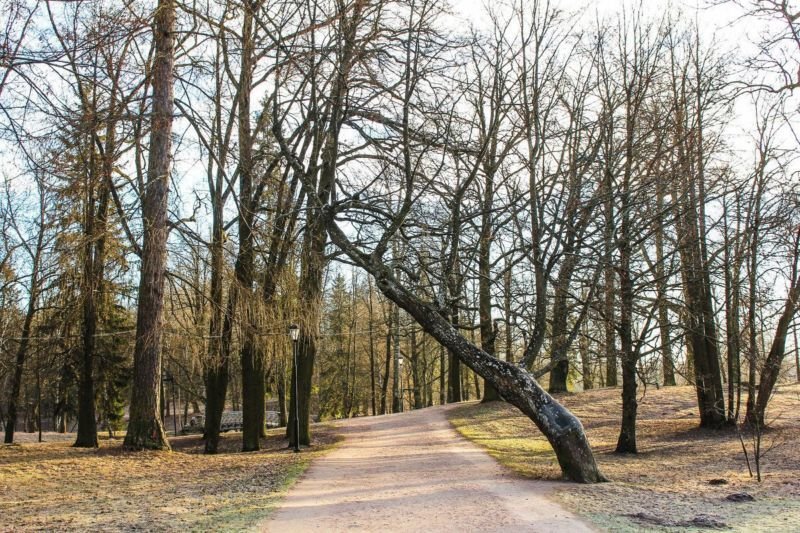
{"points": [[145, 428], [517, 386]]}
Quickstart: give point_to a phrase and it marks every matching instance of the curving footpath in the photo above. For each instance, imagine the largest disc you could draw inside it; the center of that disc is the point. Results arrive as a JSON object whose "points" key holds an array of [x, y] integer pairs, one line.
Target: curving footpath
{"points": [[414, 472]]}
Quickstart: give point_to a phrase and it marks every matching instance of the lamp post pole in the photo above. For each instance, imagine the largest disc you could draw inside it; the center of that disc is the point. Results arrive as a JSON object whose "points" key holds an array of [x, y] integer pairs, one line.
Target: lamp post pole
{"points": [[294, 333]]}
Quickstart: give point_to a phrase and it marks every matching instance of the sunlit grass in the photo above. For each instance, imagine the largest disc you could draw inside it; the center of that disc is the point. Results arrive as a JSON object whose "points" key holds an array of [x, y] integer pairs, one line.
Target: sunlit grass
{"points": [[508, 437], [666, 486]]}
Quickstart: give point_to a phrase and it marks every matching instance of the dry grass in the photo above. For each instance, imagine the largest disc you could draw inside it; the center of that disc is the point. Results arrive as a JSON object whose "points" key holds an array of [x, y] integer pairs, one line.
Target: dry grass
{"points": [[666, 486], [54, 487]]}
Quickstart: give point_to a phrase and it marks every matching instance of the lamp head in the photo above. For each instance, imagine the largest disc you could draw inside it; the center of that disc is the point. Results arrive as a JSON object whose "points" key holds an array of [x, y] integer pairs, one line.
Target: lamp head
{"points": [[294, 332]]}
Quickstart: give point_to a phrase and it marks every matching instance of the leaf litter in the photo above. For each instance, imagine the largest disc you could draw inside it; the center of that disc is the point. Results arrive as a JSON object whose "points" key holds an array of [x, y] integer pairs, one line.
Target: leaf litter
{"points": [[54, 486]]}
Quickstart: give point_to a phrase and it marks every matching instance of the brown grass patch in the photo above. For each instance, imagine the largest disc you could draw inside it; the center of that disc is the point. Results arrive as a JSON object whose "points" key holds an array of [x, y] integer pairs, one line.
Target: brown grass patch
{"points": [[52, 486], [666, 486]]}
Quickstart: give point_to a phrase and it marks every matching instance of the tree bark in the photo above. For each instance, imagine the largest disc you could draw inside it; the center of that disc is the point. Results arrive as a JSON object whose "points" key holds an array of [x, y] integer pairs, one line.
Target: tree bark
{"points": [[95, 227], [701, 329], [217, 368], [145, 428], [22, 351], [252, 364]]}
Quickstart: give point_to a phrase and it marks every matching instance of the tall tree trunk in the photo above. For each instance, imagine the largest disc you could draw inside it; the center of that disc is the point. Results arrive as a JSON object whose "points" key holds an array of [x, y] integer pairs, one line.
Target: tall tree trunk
{"points": [[217, 368], [387, 368], [667, 363], [442, 375], [94, 268], [22, 351], [560, 352], [252, 362], [609, 294], [416, 374], [732, 327], [701, 329], [145, 428], [397, 393], [488, 331], [94, 258], [454, 393], [319, 192], [371, 346], [752, 274], [586, 363], [488, 328], [626, 443], [507, 314]]}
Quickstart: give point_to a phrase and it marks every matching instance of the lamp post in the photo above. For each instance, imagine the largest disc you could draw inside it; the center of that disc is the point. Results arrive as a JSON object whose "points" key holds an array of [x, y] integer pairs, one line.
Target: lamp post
{"points": [[294, 334]]}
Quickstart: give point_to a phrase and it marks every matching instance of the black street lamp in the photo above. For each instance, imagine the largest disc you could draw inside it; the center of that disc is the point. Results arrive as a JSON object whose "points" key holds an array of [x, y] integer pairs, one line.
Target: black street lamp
{"points": [[294, 334]]}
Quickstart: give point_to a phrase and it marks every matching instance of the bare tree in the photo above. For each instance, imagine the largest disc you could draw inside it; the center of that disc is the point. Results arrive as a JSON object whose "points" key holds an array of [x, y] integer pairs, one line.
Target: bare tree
{"points": [[145, 428]]}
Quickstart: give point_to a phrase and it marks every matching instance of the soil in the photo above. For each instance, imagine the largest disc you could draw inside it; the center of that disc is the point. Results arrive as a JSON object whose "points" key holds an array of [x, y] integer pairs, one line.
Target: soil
{"points": [[413, 472]]}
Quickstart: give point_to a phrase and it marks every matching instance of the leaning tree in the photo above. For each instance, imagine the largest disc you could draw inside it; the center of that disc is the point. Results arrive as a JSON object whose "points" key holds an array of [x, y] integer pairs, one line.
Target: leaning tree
{"points": [[396, 169]]}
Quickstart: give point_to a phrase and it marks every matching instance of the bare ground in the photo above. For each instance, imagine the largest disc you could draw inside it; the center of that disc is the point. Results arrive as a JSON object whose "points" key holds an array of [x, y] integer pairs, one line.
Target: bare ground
{"points": [[413, 472], [410, 472], [682, 477], [54, 487]]}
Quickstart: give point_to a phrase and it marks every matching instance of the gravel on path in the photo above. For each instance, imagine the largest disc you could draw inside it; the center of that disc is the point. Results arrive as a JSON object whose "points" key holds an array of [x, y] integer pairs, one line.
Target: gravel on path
{"points": [[414, 472]]}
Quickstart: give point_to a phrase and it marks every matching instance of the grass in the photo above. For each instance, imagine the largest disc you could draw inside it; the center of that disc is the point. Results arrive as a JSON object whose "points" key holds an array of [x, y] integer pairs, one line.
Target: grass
{"points": [[666, 486], [52, 486], [506, 438]]}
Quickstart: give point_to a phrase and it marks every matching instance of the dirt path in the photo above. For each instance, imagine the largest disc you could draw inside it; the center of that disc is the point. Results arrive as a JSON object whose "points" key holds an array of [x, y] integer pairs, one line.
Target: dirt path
{"points": [[413, 472]]}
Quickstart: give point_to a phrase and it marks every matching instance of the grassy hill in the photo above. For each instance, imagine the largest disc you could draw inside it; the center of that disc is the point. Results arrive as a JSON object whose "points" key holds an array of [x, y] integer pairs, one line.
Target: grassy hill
{"points": [[682, 476]]}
